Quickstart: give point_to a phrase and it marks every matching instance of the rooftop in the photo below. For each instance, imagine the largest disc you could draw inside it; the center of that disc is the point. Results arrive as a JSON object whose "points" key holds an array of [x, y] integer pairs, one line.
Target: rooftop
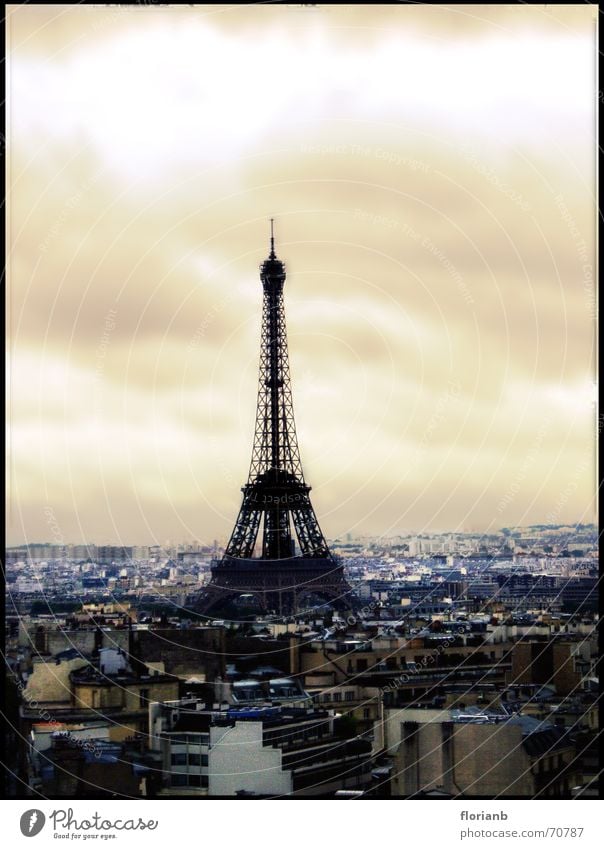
{"points": [[199, 720]]}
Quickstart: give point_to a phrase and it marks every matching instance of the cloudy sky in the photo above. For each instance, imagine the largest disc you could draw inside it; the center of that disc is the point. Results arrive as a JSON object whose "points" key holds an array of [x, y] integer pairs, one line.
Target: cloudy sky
{"points": [[431, 173]]}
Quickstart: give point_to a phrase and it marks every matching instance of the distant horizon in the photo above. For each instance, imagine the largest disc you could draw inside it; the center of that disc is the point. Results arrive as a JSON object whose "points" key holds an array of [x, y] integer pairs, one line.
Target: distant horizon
{"points": [[341, 538]]}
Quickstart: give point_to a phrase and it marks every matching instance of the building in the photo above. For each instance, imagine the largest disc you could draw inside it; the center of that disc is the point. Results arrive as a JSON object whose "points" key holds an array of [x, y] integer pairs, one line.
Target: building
{"points": [[99, 770], [565, 664], [477, 754], [114, 553], [580, 594], [123, 696], [255, 751]]}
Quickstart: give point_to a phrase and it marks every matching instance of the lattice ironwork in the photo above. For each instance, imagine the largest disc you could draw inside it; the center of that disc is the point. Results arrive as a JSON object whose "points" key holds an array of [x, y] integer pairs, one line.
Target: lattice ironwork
{"points": [[275, 491], [276, 510]]}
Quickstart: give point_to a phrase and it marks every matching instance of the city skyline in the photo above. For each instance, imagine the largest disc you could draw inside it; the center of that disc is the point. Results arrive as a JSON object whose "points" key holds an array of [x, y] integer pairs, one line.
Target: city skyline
{"points": [[344, 538], [438, 245]]}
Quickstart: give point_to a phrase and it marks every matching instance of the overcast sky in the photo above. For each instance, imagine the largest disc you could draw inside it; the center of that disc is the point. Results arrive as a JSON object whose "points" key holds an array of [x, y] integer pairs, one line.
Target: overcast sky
{"points": [[430, 170]]}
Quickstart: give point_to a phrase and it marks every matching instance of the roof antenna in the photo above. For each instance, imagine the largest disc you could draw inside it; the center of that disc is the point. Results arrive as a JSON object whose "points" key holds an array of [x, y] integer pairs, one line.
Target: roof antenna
{"points": [[273, 255]]}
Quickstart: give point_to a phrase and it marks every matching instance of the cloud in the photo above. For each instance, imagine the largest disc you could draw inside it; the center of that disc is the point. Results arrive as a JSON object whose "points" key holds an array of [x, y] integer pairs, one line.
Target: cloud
{"points": [[437, 240]]}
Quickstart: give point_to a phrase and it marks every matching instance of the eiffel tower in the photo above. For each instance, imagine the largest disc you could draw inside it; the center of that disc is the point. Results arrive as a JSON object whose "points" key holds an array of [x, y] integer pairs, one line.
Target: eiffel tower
{"points": [[261, 558]]}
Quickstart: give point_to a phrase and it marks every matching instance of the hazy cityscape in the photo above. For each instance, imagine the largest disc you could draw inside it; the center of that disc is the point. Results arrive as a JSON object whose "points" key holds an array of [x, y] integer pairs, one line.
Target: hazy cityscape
{"points": [[462, 643]]}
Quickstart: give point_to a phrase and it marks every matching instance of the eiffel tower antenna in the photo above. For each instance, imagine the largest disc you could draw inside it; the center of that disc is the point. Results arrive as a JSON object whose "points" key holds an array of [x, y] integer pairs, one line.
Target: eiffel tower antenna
{"points": [[272, 253]]}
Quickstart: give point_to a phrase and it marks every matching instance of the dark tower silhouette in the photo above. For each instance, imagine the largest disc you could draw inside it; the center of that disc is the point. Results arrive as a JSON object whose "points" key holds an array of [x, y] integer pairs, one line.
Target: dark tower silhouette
{"points": [[261, 557]]}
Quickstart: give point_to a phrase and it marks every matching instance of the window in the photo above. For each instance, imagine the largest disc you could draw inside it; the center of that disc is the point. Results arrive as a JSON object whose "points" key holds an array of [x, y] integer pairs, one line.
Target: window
{"points": [[204, 760], [361, 665], [179, 759], [366, 713], [349, 695], [337, 697], [178, 779], [143, 698], [195, 781], [194, 759]]}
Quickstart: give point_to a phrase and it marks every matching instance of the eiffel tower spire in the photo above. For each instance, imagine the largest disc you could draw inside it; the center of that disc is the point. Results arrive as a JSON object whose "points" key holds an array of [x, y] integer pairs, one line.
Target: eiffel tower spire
{"points": [[272, 253], [276, 551]]}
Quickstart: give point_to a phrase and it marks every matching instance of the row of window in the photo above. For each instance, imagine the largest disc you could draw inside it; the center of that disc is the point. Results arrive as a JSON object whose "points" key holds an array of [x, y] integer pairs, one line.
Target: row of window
{"points": [[98, 701], [193, 739], [288, 736], [192, 780], [349, 696], [192, 759], [551, 763], [420, 661]]}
